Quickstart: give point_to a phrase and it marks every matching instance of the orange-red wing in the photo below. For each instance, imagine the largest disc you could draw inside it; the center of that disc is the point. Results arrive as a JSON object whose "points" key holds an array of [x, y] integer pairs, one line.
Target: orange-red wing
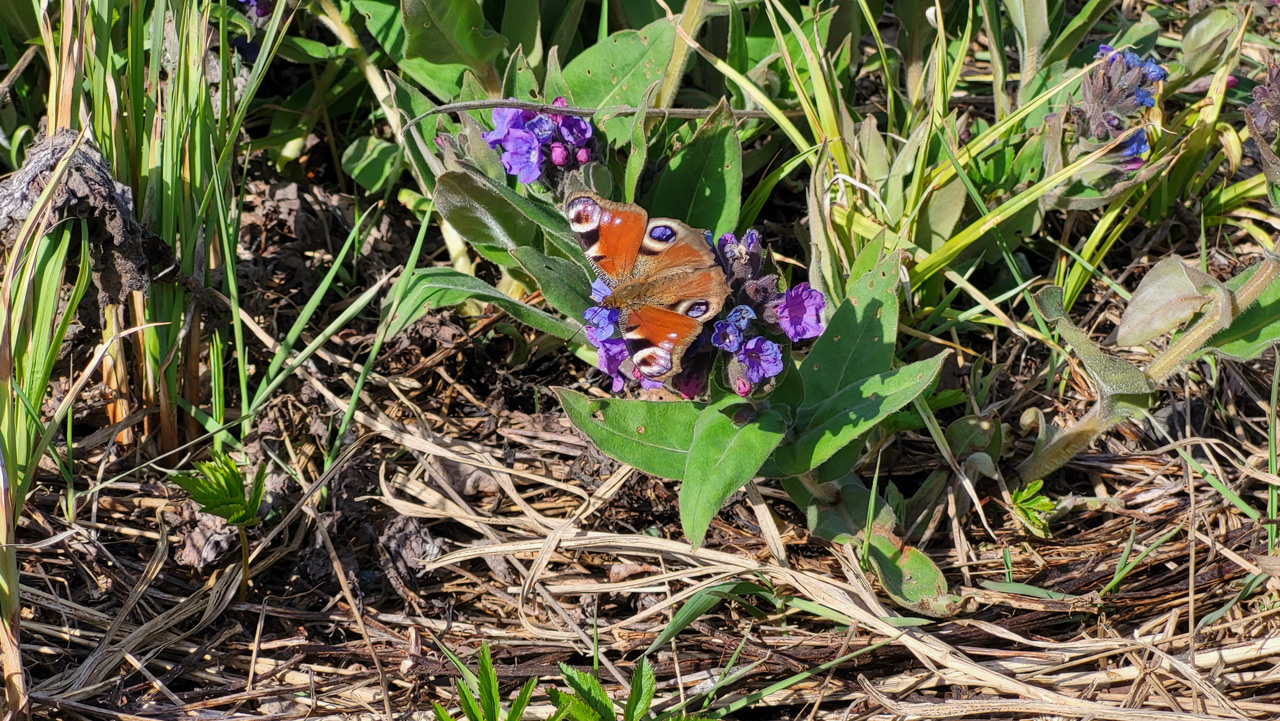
{"points": [[610, 233], [657, 339]]}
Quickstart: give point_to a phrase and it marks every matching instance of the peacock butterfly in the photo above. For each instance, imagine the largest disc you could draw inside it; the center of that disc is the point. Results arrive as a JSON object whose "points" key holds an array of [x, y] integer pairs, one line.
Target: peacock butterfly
{"points": [[665, 280]]}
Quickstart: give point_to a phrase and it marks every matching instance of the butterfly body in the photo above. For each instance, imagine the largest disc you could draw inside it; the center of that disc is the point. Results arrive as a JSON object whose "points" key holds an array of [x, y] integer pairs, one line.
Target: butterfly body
{"points": [[665, 280]]}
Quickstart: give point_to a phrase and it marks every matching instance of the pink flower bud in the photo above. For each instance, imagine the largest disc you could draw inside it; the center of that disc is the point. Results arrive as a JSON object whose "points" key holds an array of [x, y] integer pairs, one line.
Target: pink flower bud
{"points": [[559, 154], [741, 387], [584, 155]]}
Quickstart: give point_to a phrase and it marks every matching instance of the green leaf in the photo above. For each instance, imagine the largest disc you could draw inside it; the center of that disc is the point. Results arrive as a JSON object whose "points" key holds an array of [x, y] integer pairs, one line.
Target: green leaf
{"points": [[726, 452], [588, 690], [411, 103], [574, 706], [847, 520], [371, 162], [853, 411], [702, 184], [1256, 328], [642, 687], [385, 23], [516, 712], [481, 215], [650, 435], [565, 286], [451, 31], [468, 704], [488, 689], [697, 605], [911, 578], [618, 71], [432, 288], [520, 82], [218, 486], [440, 713], [1168, 296], [859, 339], [1205, 39]]}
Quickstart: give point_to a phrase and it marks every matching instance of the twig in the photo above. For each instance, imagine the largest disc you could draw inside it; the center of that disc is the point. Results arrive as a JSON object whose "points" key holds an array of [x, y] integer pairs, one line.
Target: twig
{"points": [[619, 110]]}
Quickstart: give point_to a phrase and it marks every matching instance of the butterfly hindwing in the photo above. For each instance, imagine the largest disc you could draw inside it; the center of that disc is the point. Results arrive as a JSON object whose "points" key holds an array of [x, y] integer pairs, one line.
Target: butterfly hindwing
{"points": [[657, 339]]}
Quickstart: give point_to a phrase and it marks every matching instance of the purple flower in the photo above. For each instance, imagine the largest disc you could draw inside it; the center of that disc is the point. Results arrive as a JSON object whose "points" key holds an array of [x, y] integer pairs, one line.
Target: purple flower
{"points": [[613, 351], [726, 336], [261, 8], [740, 316], [559, 154], [1144, 98], [646, 383], [601, 319], [600, 290], [522, 155], [691, 385], [576, 131], [505, 120], [800, 312], [762, 359], [1154, 72], [541, 127], [1135, 146]]}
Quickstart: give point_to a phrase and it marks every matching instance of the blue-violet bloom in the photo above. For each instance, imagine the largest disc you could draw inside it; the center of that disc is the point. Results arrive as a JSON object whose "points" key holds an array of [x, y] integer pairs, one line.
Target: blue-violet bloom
{"points": [[522, 155], [726, 336], [800, 312], [762, 359]]}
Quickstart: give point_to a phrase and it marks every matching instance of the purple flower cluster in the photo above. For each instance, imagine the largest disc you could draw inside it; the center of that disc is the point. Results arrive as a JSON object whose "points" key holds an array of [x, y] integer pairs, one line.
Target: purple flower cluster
{"points": [[760, 306], [1113, 94], [261, 8], [527, 139], [1265, 108], [755, 307]]}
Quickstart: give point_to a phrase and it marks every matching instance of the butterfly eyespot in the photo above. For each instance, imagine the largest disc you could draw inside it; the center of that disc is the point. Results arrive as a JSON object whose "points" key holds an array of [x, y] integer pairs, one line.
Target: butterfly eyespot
{"points": [[697, 309], [662, 233], [584, 214]]}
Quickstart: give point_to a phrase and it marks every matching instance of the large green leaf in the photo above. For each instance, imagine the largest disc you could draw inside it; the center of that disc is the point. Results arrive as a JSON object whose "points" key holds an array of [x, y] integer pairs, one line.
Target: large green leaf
{"points": [[1256, 328], [386, 25], [853, 411], [650, 435], [371, 162], [702, 184], [859, 340], [451, 31], [482, 216], [432, 288], [726, 452], [618, 71], [566, 287]]}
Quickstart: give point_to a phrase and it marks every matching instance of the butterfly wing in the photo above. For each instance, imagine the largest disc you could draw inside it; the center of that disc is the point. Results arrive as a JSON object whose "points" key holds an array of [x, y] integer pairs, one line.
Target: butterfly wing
{"points": [[680, 286], [657, 339], [665, 277], [610, 233]]}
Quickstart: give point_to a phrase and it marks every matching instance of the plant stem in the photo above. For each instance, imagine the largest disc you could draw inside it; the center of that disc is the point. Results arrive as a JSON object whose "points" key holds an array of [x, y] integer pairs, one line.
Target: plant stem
{"points": [[1070, 442], [15, 687], [824, 493], [244, 563], [1199, 334]]}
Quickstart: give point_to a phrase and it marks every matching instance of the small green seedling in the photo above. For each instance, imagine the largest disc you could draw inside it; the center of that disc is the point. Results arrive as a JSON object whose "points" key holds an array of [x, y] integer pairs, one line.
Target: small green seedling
{"points": [[218, 486], [478, 693], [1032, 508]]}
